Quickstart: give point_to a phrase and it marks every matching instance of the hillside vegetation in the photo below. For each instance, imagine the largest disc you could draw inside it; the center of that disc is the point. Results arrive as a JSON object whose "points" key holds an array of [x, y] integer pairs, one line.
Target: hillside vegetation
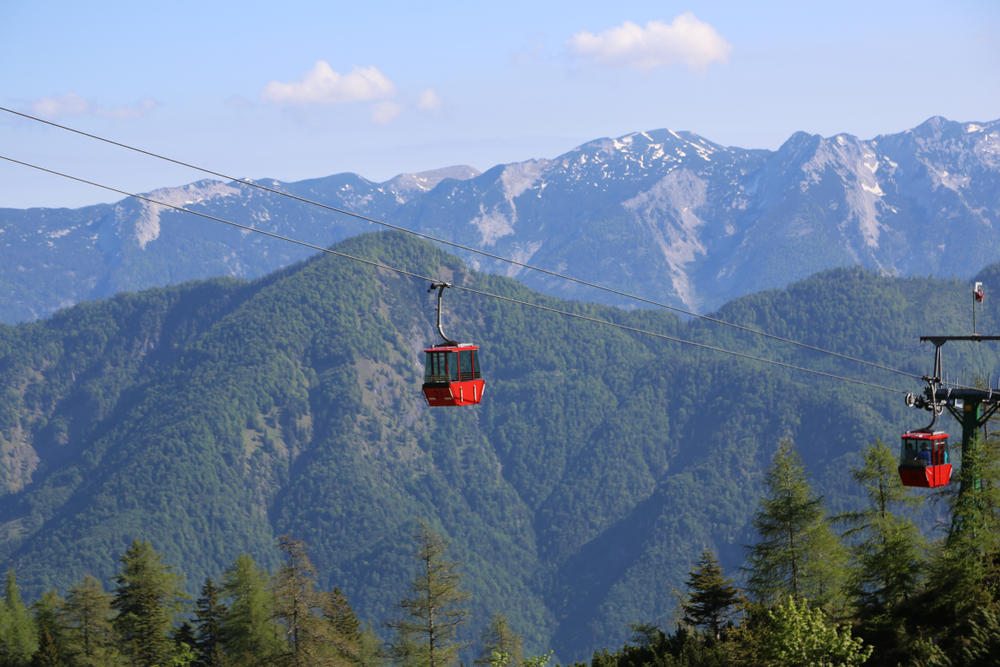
{"points": [[212, 417]]}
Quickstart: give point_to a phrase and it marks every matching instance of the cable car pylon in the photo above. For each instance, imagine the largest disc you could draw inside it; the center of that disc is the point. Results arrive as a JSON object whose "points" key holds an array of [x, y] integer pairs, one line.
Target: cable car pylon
{"points": [[971, 407]]}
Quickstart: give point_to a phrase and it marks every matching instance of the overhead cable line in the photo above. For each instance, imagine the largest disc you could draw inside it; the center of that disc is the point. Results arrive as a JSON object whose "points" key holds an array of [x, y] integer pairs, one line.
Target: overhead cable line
{"points": [[466, 248], [471, 290]]}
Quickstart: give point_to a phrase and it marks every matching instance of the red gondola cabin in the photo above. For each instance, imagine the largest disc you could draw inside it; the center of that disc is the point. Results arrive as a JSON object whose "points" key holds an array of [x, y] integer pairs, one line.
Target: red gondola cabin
{"points": [[923, 459], [452, 375]]}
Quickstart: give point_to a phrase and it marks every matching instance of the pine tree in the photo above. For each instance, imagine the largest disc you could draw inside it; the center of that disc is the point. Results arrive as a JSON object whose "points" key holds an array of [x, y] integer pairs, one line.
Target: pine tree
{"points": [[713, 598], [209, 612], [18, 634], [499, 640], [797, 554], [86, 618], [249, 634], [148, 597], [425, 637]]}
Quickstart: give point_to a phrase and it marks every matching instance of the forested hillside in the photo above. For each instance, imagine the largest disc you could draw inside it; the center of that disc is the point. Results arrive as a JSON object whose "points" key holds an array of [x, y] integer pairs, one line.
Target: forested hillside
{"points": [[212, 417]]}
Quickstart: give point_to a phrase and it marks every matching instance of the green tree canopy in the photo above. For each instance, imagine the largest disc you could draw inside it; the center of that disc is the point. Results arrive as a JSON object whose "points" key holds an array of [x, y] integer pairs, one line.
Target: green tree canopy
{"points": [[795, 634]]}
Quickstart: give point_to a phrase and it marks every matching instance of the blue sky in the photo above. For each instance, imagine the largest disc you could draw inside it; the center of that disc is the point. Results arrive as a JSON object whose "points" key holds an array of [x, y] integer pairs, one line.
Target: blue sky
{"points": [[297, 90]]}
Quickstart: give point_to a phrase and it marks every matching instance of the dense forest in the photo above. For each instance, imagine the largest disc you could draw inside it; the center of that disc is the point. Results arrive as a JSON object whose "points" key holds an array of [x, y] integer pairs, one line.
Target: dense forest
{"points": [[203, 422], [879, 594]]}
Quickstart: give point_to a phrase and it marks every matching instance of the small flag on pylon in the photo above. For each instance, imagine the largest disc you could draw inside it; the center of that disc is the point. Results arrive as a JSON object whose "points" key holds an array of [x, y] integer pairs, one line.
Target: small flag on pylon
{"points": [[977, 292]]}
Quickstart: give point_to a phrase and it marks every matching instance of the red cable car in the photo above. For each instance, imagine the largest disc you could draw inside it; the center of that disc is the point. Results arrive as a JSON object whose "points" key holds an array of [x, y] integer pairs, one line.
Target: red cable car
{"points": [[923, 459], [452, 375]]}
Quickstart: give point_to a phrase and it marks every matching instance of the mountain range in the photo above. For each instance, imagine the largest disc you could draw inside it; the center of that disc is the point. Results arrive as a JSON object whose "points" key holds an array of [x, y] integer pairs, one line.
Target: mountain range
{"points": [[667, 215]]}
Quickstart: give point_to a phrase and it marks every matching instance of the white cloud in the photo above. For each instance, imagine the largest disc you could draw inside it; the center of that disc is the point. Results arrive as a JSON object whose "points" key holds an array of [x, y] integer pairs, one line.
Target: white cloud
{"points": [[69, 104], [686, 41], [383, 112], [322, 85], [137, 110], [428, 100]]}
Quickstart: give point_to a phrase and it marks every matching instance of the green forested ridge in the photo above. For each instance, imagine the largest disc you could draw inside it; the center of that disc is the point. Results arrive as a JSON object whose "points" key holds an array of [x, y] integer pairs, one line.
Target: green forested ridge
{"points": [[212, 417]]}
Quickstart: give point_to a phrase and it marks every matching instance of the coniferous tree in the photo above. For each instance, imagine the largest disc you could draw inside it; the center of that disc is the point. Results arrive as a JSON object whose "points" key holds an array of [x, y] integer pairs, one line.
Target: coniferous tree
{"points": [[349, 641], [498, 639], [249, 634], [184, 639], [797, 554], [887, 552], [51, 633], [309, 616], [713, 598], [148, 597], [86, 619], [434, 610], [209, 613], [18, 635], [964, 581]]}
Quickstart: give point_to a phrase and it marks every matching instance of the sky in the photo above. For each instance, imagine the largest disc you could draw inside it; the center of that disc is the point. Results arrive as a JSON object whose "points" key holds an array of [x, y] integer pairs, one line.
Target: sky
{"points": [[297, 90]]}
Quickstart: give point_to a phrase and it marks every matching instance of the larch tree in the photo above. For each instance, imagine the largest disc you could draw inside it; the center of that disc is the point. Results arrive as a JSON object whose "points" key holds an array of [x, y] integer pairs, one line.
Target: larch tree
{"points": [[797, 553], [351, 643], [320, 627], [18, 635], [434, 609], [500, 644], [148, 598], [51, 632], [86, 619], [249, 634], [887, 552]]}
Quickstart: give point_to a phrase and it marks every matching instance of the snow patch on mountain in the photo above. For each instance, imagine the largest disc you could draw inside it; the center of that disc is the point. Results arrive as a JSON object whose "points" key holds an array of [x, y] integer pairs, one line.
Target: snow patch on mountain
{"points": [[518, 178], [404, 186], [987, 148], [946, 179]]}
